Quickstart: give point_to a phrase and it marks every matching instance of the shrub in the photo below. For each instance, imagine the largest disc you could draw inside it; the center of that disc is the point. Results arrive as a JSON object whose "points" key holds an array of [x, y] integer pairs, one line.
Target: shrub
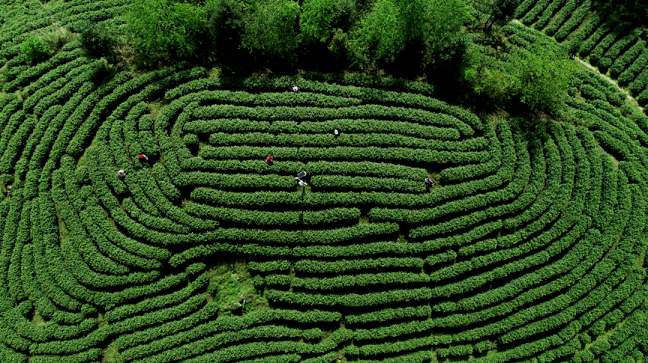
{"points": [[58, 37], [270, 29], [575, 19], [35, 49], [97, 41], [165, 27]]}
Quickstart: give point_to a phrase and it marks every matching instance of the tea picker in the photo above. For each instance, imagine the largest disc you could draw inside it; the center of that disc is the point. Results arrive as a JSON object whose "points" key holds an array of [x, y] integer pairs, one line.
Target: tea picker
{"points": [[429, 182], [121, 174], [299, 177]]}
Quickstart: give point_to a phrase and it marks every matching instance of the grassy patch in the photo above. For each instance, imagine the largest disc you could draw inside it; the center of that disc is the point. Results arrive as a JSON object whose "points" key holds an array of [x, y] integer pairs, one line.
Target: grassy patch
{"points": [[304, 189], [156, 106], [214, 73], [231, 287], [63, 231], [101, 321], [111, 354], [58, 36], [83, 160], [38, 319]]}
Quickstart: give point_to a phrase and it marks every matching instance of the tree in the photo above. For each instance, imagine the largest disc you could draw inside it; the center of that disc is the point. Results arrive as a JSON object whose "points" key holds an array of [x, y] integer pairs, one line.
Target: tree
{"points": [[161, 27], [35, 49], [393, 24], [497, 12], [543, 75], [320, 17], [97, 41], [503, 11], [538, 78], [344, 14], [226, 28], [270, 29], [635, 11], [493, 81], [315, 20]]}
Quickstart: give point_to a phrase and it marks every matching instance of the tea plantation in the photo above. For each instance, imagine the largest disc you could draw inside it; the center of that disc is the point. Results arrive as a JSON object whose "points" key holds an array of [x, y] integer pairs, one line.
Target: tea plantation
{"points": [[616, 47], [529, 247]]}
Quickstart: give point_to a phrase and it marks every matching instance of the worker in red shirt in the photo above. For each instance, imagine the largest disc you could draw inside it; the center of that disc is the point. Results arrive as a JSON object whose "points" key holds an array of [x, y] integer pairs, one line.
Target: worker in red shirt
{"points": [[269, 159], [142, 157]]}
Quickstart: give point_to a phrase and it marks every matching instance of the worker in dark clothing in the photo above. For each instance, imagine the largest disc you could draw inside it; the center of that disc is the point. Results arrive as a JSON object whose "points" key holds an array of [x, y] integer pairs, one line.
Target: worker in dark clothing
{"points": [[429, 182], [121, 173], [269, 159], [142, 157]]}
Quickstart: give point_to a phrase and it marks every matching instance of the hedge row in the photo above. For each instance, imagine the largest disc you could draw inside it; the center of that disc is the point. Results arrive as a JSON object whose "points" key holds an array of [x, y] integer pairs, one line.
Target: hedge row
{"points": [[367, 183], [317, 266], [531, 15], [574, 21], [258, 348], [349, 300], [597, 31], [557, 20], [324, 140], [615, 50], [605, 43], [345, 153], [620, 65], [347, 127], [629, 74], [345, 281], [394, 330], [387, 314], [323, 114]]}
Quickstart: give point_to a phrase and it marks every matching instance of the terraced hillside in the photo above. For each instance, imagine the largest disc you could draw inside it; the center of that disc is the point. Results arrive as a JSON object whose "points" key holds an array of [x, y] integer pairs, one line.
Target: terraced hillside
{"points": [[617, 48], [530, 247]]}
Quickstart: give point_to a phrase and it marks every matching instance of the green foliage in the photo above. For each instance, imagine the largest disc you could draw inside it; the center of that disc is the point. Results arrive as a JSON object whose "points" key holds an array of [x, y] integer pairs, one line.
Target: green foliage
{"points": [[560, 17], [35, 49], [315, 20], [532, 236], [497, 12], [165, 27], [232, 289], [97, 41], [340, 44], [226, 25], [542, 77], [393, 24], [538, 78], [270, 29], [575, 19]]}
